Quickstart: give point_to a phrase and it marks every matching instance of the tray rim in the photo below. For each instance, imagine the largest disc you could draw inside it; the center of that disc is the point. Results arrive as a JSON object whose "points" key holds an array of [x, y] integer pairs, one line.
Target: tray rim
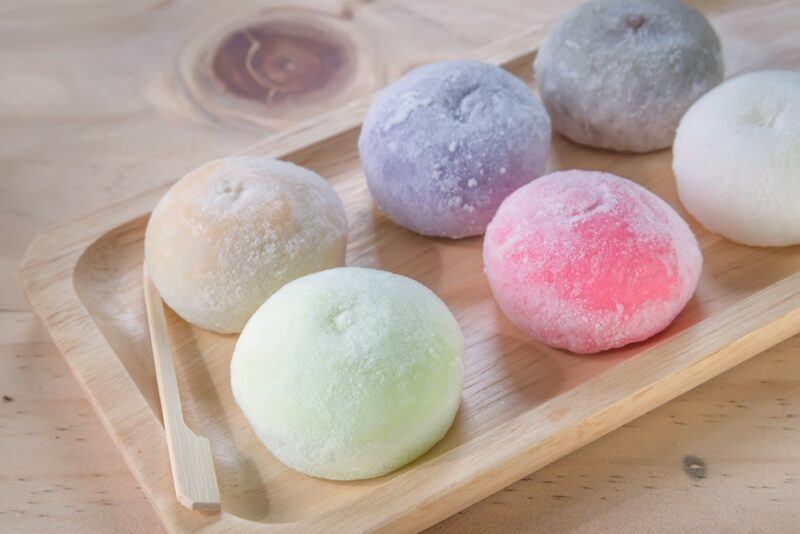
{"points": [[756, 323]]}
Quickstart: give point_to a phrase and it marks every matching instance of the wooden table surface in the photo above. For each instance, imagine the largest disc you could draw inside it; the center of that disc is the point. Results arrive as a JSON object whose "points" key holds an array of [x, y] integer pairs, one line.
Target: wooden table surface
{"points": [[100, 100]]}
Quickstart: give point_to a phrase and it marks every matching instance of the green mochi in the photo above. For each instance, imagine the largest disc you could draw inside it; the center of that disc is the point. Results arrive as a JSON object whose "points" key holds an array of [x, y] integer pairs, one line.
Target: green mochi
{"points": [[349, 373]]}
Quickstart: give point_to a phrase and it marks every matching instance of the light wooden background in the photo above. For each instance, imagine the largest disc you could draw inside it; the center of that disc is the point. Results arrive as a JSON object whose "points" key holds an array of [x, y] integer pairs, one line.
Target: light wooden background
{"points": [[100, 100]]}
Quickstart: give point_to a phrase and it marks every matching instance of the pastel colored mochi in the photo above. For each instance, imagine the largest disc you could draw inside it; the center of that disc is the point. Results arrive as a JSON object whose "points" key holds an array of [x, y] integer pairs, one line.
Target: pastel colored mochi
{"points": [[230, 233], [737, 159], [446, 143], [349, 373], [619, 74], [588, 261]]}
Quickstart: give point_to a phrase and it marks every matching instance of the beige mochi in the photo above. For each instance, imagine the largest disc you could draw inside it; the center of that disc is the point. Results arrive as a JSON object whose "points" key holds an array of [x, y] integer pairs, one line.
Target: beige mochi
{"points": [[231, 233]]}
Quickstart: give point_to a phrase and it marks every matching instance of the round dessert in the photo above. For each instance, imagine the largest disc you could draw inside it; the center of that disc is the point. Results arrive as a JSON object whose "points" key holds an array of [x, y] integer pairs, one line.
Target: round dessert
{"points": [[349, 373], [232, 232], [588, 261], [737, 159], [446, 143], [619, 74]]}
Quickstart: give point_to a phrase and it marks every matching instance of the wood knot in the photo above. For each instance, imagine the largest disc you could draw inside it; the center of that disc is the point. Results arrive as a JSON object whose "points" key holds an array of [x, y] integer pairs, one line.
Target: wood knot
{"points": [[271, 68], [694, 467], [276, 61]]}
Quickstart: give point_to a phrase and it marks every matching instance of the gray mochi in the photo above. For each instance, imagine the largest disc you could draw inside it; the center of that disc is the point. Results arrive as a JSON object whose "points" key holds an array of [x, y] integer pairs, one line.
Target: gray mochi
{"points": [[620, 74]]}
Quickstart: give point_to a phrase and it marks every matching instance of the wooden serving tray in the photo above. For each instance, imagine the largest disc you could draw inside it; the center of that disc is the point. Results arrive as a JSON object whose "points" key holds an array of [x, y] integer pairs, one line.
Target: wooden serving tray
{"points": [[524, 405]]}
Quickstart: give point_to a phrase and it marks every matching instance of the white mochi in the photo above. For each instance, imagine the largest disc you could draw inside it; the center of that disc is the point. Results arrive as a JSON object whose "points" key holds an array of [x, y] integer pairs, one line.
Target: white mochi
{"points": [[737, 159]]}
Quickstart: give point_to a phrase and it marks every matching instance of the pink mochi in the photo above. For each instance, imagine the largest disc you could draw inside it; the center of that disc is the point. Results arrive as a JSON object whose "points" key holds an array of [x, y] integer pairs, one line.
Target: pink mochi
{"points": [[588, 261]]}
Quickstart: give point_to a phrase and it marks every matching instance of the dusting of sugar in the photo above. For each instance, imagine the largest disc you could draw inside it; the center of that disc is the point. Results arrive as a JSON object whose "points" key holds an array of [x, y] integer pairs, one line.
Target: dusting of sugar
{"points": [[232, 232], [612, 84], [349, 373], [408, 103], [589, 261], [737, 156], [466, 134]]}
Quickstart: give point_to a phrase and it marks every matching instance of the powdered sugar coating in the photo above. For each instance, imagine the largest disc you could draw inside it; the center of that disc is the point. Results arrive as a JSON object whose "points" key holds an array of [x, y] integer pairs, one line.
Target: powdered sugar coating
{"points": [[446, 143], [737, 159], [232, 232], [589, 261], [619, 74], [349, 373]]}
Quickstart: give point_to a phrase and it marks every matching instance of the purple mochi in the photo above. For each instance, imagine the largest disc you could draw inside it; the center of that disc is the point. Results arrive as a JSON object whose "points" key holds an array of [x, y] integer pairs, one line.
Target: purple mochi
{"points": [[444, 145]]}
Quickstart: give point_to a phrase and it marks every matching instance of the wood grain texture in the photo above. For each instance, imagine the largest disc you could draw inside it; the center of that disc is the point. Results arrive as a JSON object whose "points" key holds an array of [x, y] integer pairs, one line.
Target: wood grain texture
{"points": [[524, 405], [73, 141], [742, 425]]}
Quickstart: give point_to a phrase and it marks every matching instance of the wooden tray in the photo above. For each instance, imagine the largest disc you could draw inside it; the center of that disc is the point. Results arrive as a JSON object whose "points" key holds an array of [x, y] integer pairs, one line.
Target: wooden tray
{"points": [[524, 405]]}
